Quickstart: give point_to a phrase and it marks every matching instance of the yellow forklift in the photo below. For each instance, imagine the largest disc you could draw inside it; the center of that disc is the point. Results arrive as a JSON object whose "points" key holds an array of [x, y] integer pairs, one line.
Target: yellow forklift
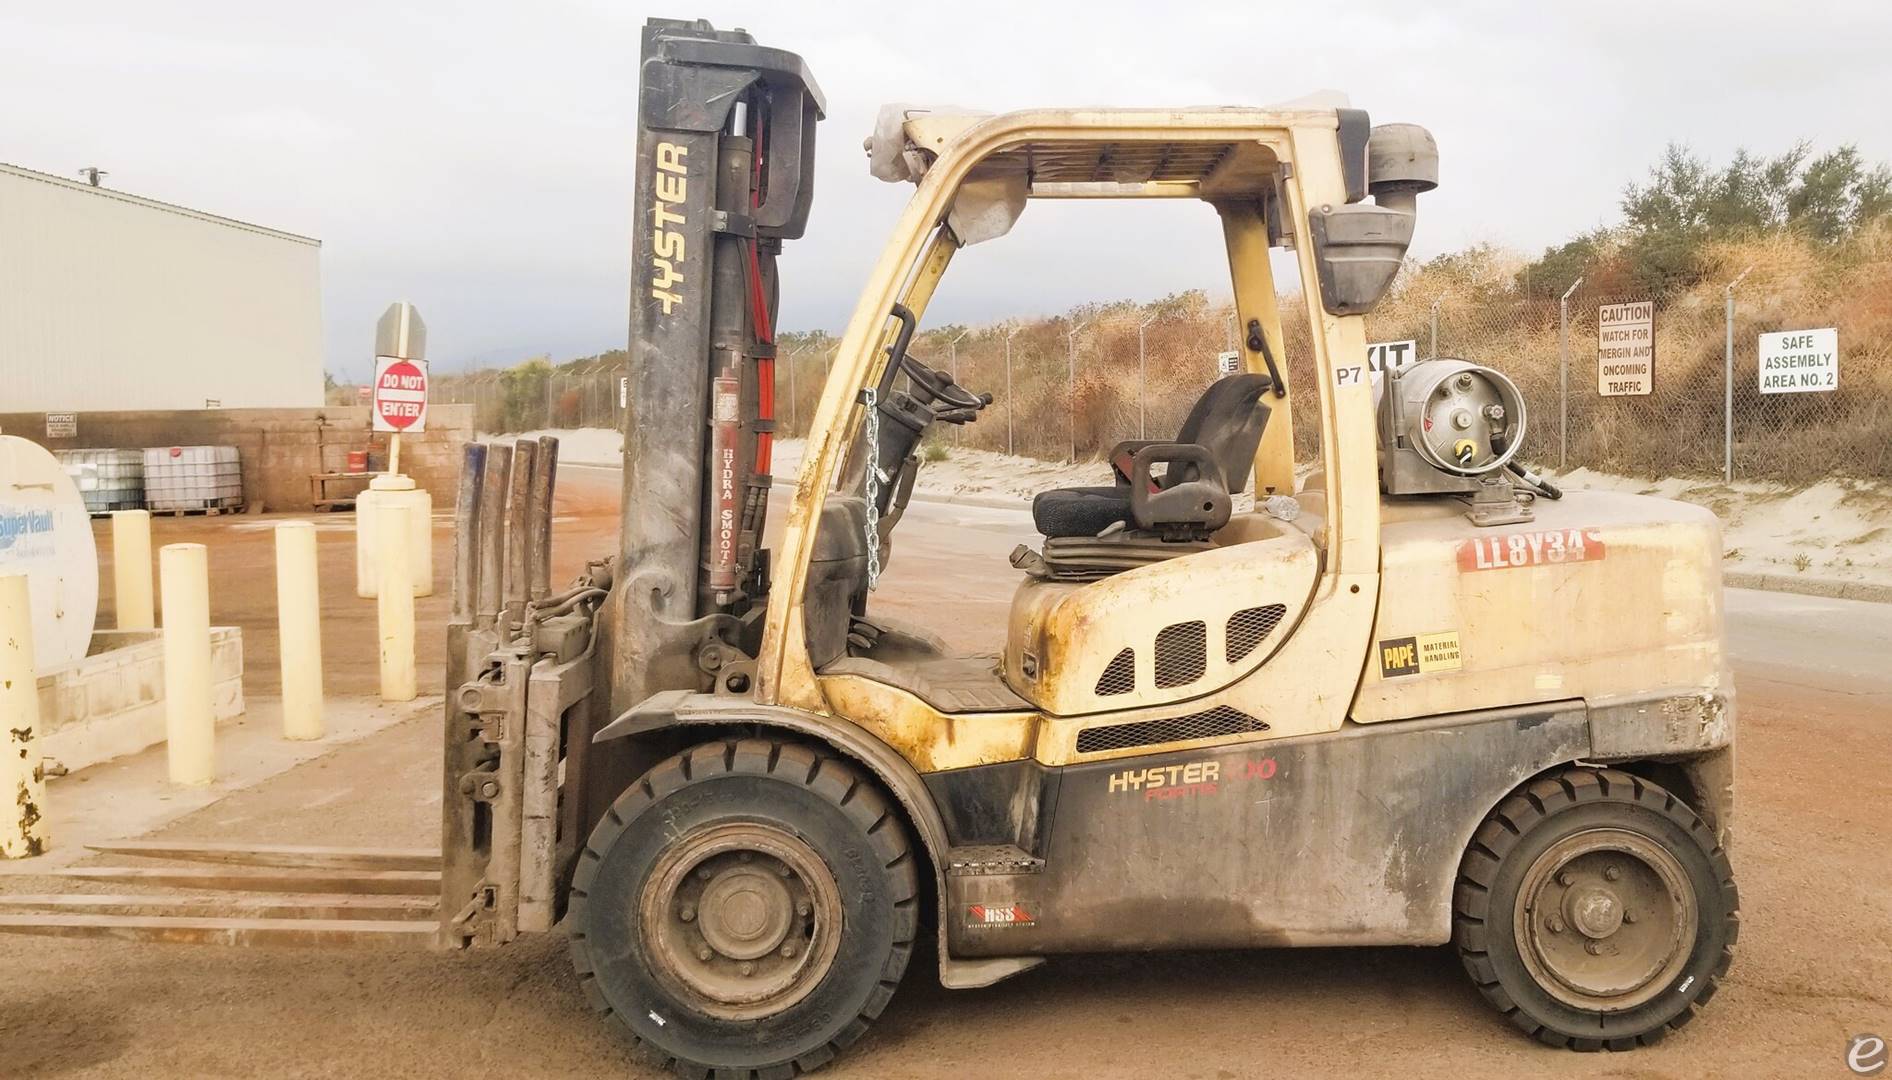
{"points": [[1415, 696]]}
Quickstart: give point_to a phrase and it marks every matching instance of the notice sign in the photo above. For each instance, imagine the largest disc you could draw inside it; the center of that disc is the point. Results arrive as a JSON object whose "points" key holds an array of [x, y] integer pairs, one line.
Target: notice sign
{"points": [[1800, 361], [62, 425], [1390, 355], [1625, 349], [400, 394]]}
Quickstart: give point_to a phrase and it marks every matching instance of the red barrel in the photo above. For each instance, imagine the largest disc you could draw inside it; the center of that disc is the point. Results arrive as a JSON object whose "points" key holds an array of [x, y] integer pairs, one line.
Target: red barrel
{"points": [[358, 461]]}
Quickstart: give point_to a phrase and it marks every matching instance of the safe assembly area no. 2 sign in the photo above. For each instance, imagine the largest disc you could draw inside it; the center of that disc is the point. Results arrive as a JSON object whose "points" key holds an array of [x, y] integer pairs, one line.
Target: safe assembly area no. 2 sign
{"points": [[1799, 361]]}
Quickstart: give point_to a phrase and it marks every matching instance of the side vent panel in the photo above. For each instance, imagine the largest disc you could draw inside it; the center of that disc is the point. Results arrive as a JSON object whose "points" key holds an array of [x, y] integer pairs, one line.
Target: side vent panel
{"points": [[1182, 653], [1213, 724], [1249, 627], [1120, 675]]}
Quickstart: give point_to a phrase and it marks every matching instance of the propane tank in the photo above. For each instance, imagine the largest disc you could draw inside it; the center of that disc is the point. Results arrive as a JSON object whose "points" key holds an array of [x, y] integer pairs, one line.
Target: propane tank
{"points": [[1444, 423]]}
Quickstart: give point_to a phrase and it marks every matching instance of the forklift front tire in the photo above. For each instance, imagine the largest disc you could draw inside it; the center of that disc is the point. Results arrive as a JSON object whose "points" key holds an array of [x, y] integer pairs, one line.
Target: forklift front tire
{"points": [[1595, 910], [745, 909]]}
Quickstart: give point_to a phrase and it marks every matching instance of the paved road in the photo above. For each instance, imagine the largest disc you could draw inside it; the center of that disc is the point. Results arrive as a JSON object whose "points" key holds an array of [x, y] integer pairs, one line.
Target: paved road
{"points": [[1814, 963]]}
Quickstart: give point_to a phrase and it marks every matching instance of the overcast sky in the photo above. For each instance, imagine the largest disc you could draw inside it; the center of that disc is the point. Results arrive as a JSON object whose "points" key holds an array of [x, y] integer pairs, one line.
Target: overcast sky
{"points": [[475, 157]]}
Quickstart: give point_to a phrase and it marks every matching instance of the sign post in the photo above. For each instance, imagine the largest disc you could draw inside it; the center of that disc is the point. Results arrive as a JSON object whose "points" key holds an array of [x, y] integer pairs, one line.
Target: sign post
{"points": [[1800, 361], [1625, 349], [399, 405], [400, 377]]}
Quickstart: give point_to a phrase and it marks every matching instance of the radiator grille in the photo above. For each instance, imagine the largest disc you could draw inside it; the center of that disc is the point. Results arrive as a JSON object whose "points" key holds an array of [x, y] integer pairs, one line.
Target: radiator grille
{"points": [[1182, 653], [1120, 675], [1213, 724], [1249, 627]]}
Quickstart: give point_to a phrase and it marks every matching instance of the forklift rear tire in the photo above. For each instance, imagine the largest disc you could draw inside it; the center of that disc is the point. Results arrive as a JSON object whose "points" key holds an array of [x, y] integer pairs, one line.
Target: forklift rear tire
{"points": [[1596, 910], [745, 909]]}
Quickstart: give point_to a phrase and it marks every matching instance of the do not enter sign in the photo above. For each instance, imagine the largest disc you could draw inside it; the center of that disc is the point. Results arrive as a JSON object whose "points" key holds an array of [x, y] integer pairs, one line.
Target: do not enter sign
{"points": [[400, 394]]}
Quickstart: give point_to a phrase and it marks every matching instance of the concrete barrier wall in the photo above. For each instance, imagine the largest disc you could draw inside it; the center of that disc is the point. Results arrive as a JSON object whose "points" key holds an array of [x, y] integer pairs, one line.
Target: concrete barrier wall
{"points": [[112, 702], [280, 448]]}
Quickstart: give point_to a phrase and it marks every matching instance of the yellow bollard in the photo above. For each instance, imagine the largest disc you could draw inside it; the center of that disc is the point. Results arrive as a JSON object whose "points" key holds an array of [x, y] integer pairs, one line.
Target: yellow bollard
{"points": [[189, 725], [131, 569], [22, 778], [299, 626], [395, 606]]}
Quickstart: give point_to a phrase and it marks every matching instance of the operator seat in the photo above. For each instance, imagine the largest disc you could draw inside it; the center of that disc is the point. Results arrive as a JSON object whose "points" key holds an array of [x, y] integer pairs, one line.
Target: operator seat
{"points": [[1207, 461]]}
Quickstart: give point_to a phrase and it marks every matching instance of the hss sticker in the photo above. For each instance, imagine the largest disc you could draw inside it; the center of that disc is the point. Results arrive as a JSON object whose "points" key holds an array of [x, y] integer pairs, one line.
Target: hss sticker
{"points": [[998, 915], [1420, 653]]}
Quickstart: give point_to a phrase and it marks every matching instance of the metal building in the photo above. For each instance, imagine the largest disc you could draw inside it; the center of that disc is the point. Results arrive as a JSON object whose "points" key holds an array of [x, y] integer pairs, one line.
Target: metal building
{"points": [[110, 301]]}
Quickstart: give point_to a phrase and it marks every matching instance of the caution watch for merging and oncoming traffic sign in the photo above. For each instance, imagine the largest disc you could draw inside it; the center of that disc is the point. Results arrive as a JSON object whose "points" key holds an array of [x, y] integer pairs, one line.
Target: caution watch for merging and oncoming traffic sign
{"points": [[1625, 349]]}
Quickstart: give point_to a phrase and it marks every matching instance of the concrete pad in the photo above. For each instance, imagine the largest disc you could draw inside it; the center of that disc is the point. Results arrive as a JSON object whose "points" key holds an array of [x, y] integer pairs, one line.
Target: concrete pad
{"points": [[131, 796]]}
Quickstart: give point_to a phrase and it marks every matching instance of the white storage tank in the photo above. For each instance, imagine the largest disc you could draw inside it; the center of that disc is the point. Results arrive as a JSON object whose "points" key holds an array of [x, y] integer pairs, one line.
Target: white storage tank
{"points": [[45, 535], [182, 479], [108, 480]]}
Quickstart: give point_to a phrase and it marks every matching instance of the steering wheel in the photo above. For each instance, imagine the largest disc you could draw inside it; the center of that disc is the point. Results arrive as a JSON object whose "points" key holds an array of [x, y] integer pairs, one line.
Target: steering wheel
{"points": [[940, 387]]}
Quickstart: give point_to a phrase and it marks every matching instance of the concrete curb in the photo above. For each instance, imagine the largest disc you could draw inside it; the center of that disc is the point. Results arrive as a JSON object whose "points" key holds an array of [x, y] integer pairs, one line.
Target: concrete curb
{"points": [[989, 502], [1830, 588]]}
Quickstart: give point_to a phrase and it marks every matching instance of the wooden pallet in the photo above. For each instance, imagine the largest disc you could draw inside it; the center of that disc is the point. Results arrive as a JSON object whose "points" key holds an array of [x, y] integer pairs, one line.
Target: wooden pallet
{"points": [[197, 511], [237, 894]]}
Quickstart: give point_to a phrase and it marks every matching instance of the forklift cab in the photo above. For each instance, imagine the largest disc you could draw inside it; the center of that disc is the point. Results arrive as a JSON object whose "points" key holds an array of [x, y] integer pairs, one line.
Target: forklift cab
{"points": [[1165, 584]]}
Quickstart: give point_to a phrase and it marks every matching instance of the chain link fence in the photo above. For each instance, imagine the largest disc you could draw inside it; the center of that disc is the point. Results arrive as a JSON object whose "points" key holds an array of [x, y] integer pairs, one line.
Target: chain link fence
{"points": [[535, 395], [1070, 388], [1705, 413]]}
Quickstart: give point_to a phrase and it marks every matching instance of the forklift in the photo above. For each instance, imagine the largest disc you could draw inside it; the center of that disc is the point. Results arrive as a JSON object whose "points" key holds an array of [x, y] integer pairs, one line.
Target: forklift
{"points": [[1412, 695]]}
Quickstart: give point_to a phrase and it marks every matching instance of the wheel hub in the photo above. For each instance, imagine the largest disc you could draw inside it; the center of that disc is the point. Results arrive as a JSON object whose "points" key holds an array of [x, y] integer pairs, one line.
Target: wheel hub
{"points": [[1605, 919], [741, 920], [1595, 912], [745, 913]]}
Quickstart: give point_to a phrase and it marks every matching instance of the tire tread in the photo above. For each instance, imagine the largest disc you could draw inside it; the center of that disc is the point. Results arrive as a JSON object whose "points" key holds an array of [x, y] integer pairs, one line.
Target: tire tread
{"points": [[833, 779], [1507, 825]]}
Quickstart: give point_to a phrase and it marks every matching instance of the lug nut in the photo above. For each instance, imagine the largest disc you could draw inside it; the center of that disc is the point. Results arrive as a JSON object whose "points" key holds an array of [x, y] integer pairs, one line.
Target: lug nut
{"points": [[1563, 878], [802, 909], [1594, 948], [1610, 873], [686, 912], [784, 871], [1555, 925], [702, 952], [788, 950], [746, 968], [1629, 916]]}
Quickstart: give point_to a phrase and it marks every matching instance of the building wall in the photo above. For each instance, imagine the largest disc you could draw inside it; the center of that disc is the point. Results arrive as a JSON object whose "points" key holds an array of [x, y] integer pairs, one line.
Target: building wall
{"points": [[280, 448], [110, 301]]}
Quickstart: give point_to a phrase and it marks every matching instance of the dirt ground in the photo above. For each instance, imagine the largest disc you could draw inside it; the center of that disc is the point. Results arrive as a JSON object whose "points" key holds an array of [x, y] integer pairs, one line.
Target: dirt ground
{"points": [[1813, 967]]}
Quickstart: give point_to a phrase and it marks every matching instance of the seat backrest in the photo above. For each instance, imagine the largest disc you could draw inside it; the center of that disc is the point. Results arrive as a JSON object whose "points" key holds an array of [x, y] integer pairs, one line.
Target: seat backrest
{"points": [[1227, 420]]}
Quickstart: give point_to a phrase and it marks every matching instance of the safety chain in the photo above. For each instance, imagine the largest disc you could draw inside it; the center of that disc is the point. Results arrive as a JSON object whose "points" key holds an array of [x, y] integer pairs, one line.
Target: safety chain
{"points": [[870, 398]]}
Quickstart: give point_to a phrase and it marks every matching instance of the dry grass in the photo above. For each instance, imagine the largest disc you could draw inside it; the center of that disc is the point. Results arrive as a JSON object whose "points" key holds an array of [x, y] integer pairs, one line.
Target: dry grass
{"points": [[1482, 315]]}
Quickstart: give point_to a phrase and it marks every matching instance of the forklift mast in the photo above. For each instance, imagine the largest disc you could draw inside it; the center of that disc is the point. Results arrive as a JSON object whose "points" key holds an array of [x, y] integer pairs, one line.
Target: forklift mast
{"points": [[725, 173], [725, 153]]}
